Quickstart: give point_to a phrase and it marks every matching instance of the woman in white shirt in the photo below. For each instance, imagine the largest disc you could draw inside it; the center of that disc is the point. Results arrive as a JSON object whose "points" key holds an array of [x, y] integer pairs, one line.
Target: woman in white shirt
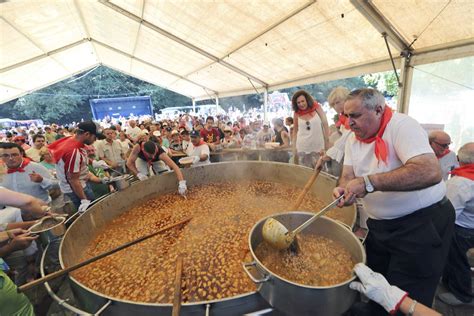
{"points": [[310, 131]]}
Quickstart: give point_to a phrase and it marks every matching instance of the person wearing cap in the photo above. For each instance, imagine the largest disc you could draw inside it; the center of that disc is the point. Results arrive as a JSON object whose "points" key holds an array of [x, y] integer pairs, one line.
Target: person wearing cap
{"points": [[71, 164], [265, 135], [21, 141], [175, 143], [198, 149], [229, 140], [149, 155]]}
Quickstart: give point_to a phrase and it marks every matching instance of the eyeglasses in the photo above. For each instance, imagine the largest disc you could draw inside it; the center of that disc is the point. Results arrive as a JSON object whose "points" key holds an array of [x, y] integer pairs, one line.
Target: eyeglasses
{"points": [[10, 156], [442, 145], [308, 127]]}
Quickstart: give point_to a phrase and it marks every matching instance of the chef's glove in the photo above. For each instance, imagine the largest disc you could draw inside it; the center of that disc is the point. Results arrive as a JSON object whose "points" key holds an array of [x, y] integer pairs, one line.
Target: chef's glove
{"points": [[376, 288], [100, 164], [84, 205], [196, 159], [142, 176], [105, 180], [182, 188]]}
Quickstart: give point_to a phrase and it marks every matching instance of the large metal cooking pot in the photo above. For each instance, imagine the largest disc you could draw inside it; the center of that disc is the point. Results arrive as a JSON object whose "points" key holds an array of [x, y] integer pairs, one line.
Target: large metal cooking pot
{"points": [[297, 299], [82, 231]]}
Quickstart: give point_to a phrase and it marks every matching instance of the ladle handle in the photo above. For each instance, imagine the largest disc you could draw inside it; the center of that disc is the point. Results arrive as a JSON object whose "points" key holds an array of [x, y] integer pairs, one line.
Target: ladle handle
{"points": [[306, 188], [59, 273], [317, 215]]}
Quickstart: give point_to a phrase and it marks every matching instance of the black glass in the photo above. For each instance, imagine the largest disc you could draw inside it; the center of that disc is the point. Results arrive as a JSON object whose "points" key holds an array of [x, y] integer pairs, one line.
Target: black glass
{"points": [[442, 145], [308, 127]]}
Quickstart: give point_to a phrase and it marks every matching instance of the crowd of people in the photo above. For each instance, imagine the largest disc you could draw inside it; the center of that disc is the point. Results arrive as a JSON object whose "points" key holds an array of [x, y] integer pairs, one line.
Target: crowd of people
{"points": [[417, 194]]}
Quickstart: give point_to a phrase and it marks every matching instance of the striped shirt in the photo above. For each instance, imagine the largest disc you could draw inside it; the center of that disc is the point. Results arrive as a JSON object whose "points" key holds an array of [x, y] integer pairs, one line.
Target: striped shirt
{"points": [[73, 159]]}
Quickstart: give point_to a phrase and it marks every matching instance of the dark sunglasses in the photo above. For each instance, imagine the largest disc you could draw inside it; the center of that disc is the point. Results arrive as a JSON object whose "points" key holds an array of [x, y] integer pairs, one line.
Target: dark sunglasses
{"points": [[308, 127], [442, 145]]}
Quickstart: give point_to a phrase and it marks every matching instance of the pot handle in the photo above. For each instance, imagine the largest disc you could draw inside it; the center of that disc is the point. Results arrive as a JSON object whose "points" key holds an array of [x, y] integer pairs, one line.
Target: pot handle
{"points": [[362, 239], [63, 302], [247, 265]]}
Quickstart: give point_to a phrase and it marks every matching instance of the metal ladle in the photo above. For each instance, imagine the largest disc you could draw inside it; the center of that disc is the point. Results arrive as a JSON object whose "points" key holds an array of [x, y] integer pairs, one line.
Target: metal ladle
{"points": [[278, 236]]}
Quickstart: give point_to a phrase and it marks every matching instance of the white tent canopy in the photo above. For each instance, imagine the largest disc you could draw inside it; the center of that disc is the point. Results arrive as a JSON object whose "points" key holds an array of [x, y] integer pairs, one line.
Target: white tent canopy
{"points": [[206, 49]]}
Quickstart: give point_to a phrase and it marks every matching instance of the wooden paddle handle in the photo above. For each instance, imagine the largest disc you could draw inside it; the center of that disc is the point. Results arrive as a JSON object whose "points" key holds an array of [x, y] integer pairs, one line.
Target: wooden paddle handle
{"points": [[177, 286], [306, 188], [59, 273]]}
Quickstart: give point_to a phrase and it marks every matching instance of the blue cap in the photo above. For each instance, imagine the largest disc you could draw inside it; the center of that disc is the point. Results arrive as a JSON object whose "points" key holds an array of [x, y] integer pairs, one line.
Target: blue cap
{"points": [[194, 133]]}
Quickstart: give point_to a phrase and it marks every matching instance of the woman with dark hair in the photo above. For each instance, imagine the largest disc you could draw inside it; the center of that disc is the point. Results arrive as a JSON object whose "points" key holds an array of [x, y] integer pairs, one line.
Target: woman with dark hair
{"points": [[310, 129]]}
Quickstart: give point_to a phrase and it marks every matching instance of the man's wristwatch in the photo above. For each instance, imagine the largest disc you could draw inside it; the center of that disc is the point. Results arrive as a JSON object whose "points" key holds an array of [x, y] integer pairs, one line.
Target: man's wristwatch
{"points": [[368, 185]]}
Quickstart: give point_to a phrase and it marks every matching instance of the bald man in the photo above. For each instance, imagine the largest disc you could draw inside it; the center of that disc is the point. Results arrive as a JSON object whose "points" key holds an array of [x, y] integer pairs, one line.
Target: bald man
{"points": [[457, 273], [440, 142]]}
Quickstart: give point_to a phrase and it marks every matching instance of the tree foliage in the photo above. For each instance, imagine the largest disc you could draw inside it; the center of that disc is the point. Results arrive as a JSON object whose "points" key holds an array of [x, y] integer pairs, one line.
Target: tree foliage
{"points": [[68, 100]]}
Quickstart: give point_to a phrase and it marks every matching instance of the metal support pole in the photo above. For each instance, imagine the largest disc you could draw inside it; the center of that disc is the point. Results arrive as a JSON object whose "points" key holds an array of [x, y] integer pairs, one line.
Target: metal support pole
{"points": [[406, 75], [265, 103], [217, 105], [194, 105]]}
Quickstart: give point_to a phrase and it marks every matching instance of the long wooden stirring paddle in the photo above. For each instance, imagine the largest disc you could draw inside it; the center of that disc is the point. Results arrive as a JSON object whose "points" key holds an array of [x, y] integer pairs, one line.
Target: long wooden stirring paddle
{"points": [[177, 286], [59, 273]]}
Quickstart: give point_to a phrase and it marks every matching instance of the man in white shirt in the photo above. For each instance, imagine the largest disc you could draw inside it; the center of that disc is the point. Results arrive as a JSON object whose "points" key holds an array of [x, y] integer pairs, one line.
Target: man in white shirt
{"points": [[457, 273], [34, 153], [111, 151], [132, 131], [390, 164], [440, 142], [198, 149]]}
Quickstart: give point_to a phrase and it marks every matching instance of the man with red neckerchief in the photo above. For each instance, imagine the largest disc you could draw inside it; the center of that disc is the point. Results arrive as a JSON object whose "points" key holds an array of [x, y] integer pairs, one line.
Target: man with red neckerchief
{"points": [[440, 142], [391, 166], [457, 273]]}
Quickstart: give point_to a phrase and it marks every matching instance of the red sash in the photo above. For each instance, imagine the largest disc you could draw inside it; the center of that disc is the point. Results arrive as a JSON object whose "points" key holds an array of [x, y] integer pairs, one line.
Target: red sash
{"points": [[22, 166], [444, 153], [308, 109], [381, 148], [466, 171], [343, 121]]}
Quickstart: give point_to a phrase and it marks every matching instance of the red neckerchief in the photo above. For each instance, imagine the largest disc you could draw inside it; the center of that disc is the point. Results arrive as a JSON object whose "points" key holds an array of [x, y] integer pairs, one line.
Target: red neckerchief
{"points": [[343, 121], [149, 159], [466, 171], [444, 153], [308, 109], [381, 148], [22, 166], [59, 148], [201, 142]]}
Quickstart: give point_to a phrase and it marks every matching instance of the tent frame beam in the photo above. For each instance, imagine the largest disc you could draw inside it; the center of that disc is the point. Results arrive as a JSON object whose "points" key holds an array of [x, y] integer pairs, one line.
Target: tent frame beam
{"points": [[181, 41], [46, 54], [381, 24], [149, 64], [268, 29]]}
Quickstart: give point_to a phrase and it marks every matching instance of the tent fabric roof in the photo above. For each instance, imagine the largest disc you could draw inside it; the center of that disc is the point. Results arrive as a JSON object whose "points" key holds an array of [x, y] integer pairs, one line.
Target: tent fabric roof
{"points": [[204, 49]]}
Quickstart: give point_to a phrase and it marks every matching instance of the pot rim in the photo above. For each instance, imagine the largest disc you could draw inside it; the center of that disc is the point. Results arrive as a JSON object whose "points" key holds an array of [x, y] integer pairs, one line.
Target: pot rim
{"points": [[261, 266], [61, 218]]}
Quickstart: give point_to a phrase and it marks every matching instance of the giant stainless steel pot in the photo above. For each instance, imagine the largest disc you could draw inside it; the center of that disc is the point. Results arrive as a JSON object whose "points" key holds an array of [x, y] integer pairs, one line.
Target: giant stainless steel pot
{"points": [[296, 299], [83, 230]]}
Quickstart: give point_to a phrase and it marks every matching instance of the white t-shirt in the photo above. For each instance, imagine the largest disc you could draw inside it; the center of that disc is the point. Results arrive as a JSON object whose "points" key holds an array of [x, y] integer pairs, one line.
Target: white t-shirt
{"points": [[133, 132], [447, 163], [461, 194], [193, 151], [405, 139], [336, 152], [312, 139]]}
